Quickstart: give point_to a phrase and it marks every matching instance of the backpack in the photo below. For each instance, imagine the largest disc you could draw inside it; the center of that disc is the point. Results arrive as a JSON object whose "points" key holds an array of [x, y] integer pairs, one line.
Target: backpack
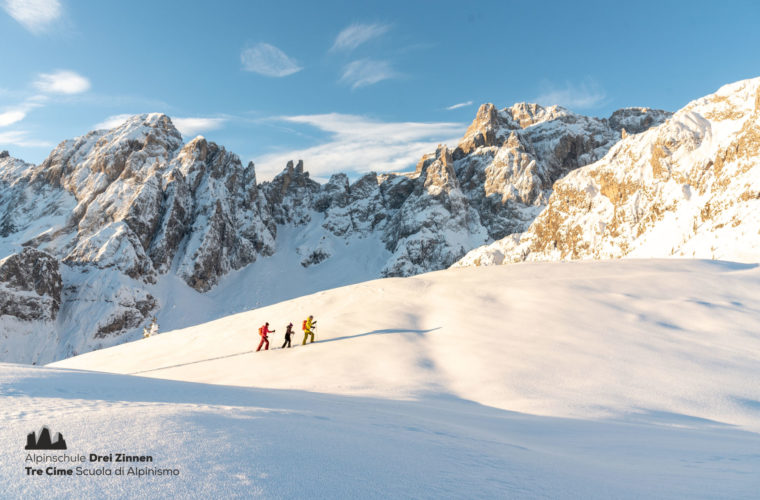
{"points": [[304, 324], [261, 331]]}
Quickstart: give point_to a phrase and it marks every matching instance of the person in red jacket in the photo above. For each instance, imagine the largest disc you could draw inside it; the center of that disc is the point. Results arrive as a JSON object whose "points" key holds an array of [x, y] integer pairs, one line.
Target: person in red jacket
{"points": [[263, 332]]}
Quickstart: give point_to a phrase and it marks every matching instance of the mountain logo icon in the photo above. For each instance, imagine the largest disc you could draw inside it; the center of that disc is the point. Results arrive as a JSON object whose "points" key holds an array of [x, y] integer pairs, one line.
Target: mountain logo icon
{"points": [[43, 441]]}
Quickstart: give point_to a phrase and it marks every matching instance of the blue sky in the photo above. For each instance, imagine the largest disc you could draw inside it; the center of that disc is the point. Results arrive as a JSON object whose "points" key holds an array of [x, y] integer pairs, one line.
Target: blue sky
{"points": [[351, 86]]}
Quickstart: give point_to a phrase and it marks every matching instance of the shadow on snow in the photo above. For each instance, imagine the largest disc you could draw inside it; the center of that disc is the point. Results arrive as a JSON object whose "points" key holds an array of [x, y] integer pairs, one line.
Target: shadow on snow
{"points": [[346, 337]]}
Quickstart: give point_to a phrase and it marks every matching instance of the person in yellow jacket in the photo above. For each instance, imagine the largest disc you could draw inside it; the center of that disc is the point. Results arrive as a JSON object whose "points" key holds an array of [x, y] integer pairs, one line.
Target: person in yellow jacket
{"points": [[308, 329]]}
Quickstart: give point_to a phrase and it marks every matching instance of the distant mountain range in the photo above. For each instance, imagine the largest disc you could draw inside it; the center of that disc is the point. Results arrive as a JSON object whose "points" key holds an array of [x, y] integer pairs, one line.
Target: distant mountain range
{"points": [[119, 225], [687, 188]]}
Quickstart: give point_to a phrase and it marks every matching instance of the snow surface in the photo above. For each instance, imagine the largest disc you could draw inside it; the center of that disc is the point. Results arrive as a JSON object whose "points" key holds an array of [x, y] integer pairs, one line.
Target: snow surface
{"points": [[232, 442], [555, 339], [612, 379]]}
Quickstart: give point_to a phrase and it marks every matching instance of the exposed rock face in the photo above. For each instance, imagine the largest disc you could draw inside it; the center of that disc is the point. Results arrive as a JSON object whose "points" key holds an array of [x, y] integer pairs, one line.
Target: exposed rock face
{"points": [[494, 183], [127, 210], [107, 191], [686, 188], [214, 221], [525, 149], [139, 200], [290, 196], [636, 120], [435, 223], [30, 286]]}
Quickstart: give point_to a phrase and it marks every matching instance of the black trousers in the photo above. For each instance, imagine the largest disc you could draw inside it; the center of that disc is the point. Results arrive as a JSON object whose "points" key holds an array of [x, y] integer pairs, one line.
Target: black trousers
{"points": [[287, 342]]}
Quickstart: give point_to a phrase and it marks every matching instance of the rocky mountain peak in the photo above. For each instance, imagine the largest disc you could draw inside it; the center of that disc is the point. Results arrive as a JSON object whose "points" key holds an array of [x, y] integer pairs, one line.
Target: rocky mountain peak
{"points": [[291, 179], [482, 132], [147, 128], [197, 148], [687, 187], [439, 174], [85, 166], [487, 118], [526, 114], [289, 192]]}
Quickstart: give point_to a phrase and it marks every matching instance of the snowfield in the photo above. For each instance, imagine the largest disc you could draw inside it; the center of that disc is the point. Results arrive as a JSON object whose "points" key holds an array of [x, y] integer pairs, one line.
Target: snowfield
{"points": [[612, 379]]}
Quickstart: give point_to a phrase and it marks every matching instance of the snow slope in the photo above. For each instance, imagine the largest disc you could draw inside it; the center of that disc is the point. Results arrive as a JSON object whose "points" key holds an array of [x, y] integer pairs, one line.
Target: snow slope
{"points": [[231, 442], [582, 340], [613, 379]]}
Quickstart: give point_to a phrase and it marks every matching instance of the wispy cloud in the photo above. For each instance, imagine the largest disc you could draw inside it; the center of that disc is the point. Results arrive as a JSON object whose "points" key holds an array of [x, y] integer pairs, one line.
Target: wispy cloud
{"points": [[59, 82], [358, 145], [62, 82], [459, 105], [587, 94], [192, 126], [21, 138], [268, 60], [19, 112], [34, 15], [357, 34], [187, 126], [364, 72]]}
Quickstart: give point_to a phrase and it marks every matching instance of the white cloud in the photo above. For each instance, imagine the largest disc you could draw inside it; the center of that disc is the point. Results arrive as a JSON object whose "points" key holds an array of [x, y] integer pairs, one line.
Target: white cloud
{"points": [[587, 94], [359, 145], [365, 72], [357, 34], [21, 138], [62, 82], [459, 105], [192, 126], [112, 122], [12, 116], [34, 15], [18, 113], [268, 60]]}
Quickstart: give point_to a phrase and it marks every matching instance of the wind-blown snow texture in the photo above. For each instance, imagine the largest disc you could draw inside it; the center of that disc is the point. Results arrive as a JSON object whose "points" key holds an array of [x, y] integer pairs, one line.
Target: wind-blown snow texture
{"points": [[139, 221], [579, 339], [234, 443], [614, 379], [687, 188]]}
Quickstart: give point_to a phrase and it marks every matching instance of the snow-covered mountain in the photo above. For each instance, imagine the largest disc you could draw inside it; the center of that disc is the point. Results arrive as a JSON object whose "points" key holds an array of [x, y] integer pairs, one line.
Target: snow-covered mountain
{"points": [[687, 188], [139, 223]]}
